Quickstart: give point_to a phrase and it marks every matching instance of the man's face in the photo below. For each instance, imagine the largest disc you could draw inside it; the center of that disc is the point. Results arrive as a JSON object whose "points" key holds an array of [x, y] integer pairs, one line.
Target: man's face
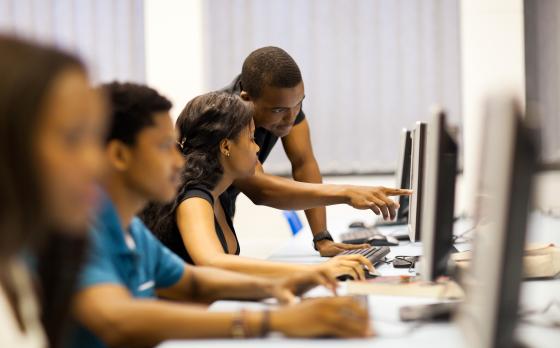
{"points": [[155, 163], [276, 109]]}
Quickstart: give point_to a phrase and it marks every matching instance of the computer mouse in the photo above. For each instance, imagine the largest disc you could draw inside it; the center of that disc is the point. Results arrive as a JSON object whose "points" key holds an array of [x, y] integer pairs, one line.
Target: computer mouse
{"points": [[369, 275], [357, 224], [401, 235], [344, 277], [381, 240]]}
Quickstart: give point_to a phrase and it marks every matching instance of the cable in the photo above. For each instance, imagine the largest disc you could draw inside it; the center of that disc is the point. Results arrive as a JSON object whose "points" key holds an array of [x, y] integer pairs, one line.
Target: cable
{"points": [[387, 262], [467, 231], [553, 323], [462, 235], [410, 260]]}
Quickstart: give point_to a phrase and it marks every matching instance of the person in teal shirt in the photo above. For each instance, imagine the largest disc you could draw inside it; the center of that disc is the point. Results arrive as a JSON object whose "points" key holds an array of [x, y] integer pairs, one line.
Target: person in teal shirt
{"points": [[133, 258], [133, 291]]}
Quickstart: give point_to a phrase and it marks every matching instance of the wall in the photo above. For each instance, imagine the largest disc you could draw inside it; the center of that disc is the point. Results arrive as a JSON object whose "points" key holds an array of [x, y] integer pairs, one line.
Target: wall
{"points": [[370, 67], [108, 35], [492, 45], [174, 49], [492, 50]]}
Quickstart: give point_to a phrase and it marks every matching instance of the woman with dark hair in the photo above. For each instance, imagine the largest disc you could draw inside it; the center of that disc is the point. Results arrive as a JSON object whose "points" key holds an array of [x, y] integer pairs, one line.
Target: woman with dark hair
{"points": [[216, 136], [51, 125]]}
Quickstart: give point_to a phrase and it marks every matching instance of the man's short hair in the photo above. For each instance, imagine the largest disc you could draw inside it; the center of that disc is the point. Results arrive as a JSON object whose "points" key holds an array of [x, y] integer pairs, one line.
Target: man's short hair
{"points": [[268, 66], [133, 107]]}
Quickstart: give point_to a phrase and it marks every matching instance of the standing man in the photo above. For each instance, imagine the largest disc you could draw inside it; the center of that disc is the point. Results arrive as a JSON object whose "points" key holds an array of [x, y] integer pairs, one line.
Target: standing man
{"points": [[272, 81]]}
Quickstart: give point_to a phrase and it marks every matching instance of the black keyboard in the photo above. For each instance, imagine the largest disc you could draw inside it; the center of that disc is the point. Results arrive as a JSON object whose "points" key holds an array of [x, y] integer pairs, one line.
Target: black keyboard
{"points": [[373, 254]]}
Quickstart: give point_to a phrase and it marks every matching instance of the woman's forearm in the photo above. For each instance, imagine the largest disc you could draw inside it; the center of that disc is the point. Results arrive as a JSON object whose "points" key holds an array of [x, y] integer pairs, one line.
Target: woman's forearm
{"points": [[253, 266]]}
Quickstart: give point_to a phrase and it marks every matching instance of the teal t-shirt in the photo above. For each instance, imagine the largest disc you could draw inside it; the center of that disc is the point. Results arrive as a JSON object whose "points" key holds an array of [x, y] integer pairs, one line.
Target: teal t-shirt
{"points": [[142, 268]]}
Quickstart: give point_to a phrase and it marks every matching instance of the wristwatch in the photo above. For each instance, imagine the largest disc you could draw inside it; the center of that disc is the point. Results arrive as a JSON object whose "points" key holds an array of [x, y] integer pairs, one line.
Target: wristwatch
{"points": [[325, 235]]}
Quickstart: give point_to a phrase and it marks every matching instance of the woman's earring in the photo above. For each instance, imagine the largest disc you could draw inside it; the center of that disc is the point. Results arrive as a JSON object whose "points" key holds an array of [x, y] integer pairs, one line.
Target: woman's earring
{"points": [[227, 154]]}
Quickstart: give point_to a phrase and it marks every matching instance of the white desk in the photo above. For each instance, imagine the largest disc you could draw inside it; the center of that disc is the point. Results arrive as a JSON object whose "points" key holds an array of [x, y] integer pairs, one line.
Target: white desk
{"points": [[384, 309]]}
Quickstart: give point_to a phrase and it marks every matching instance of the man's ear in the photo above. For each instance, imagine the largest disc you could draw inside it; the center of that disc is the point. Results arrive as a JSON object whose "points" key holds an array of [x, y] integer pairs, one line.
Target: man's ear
{"points": [[245, 96], [225, 147], [119, 155]]}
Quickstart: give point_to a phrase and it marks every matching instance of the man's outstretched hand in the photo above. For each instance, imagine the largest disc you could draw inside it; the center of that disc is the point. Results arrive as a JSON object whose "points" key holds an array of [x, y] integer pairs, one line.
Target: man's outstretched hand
{"points": [[375, 198]]}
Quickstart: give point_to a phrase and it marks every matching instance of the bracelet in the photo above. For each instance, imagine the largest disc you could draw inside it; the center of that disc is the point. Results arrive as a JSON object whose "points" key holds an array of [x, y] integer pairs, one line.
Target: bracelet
{"points": [[325, 235], [238, 329], [265, 323]]}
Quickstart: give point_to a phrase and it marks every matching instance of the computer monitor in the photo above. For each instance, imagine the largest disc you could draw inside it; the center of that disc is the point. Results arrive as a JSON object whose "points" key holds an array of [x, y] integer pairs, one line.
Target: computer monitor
{"points": [[489, 314], [438, 197], [416, 180], [402, 180], [403, 175]]}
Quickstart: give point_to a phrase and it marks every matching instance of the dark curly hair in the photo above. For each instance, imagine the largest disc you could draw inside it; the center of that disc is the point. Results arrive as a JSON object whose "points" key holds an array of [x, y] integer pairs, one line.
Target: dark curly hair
{"points": [[204, 122], [268, 66], [132, 109]]}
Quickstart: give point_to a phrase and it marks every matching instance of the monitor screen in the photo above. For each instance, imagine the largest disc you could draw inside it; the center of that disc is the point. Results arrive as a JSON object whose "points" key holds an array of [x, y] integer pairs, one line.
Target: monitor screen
{"points": [[508, 162], [438, 197], [416, 180], [403, 174]]}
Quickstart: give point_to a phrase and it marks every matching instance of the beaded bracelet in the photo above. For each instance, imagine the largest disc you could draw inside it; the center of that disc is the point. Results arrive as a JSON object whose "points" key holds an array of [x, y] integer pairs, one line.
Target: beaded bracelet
{"points": [[238, 329], [265, 323]]}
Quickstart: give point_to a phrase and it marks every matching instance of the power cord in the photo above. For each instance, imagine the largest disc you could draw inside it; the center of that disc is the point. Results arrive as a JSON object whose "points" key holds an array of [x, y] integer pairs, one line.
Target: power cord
{"points": [[461, 237], [464, 235], [553, 323]]}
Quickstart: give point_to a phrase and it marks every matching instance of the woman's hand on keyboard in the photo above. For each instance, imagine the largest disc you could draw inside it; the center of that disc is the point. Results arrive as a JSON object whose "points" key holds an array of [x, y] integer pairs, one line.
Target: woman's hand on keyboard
{"points": [[331, 316], [287, 288], [352, 265]]}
